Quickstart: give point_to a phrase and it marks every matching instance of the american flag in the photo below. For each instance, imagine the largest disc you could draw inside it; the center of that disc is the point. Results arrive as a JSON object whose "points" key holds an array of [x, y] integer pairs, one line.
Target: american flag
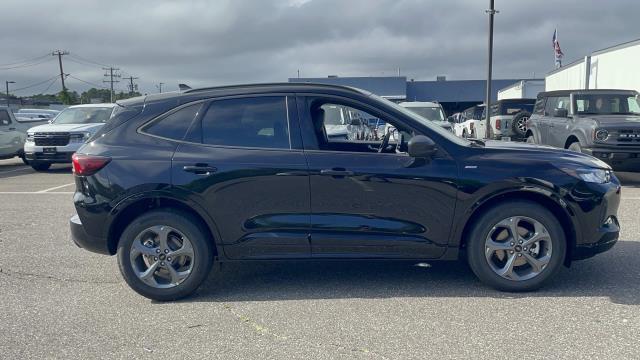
{"points": [[556, 49]]}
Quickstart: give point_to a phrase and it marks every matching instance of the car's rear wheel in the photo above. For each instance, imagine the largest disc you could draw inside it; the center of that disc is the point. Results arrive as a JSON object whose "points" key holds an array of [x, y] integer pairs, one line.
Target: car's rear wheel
{"points": [[40, 166], [575, 146], [164, 255], [531, 139], [516, 246]]}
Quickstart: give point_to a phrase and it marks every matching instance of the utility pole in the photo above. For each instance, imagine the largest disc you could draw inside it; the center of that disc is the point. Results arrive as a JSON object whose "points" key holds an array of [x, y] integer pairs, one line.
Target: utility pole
{"points": [[109, 73], [7, 84], [492, 11], [60, 54], [132, 87], [159, 86]]}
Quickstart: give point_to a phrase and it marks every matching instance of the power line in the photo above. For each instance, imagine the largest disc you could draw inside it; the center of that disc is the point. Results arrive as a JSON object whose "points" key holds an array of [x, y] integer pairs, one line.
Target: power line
{"points": [[80, 58], [109, 73], [89, 82], [36, 84], [42, 61], [25, 61], [52, 82]]}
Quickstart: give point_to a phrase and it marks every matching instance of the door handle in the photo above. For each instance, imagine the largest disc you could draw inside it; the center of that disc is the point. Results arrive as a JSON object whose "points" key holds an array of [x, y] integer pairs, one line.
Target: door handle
{"points": [[336, 172], [200, 169]]}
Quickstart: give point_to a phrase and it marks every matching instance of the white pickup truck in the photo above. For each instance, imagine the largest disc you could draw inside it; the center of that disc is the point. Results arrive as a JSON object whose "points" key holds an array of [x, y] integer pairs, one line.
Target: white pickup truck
{"points": [[13, 133]]}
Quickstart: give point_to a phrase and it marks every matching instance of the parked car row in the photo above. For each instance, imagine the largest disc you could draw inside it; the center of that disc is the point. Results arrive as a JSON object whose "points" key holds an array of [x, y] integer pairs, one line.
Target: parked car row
{"points": [[41, 140]]}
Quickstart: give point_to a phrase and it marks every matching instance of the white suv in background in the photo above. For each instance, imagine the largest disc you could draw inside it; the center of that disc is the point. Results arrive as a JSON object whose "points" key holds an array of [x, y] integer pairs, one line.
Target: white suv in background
{"points": [[431, 111], [57, 141], [470, 125]]}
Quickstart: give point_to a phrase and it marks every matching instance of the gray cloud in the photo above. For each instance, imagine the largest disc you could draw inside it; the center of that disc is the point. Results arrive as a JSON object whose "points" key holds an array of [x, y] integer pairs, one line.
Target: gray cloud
{"points": [[220, 42]]}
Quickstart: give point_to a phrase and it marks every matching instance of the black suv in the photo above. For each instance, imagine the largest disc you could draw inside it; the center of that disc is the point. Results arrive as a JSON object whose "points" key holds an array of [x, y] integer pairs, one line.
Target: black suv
{"points": [[176, 181], [602, 123]]}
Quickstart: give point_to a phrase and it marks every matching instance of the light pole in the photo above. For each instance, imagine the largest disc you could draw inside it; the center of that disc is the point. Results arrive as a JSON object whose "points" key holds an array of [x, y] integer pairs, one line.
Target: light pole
{"points": [[492, 11], [7, 84]]}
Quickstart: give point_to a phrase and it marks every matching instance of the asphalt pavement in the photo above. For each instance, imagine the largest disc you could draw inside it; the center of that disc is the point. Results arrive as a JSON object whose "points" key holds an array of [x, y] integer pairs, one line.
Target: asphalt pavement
{"points": [[59, 301]]}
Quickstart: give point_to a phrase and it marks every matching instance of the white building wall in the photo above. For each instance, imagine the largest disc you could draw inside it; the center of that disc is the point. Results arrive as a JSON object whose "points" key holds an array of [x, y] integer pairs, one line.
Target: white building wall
{"points": [[616, 68], [572, 76], [524, 89]]}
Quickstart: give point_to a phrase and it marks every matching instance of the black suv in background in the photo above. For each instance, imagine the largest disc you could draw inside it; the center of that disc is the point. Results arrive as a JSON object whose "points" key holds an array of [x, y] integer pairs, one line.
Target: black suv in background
{"points": [[176, 181], [602, 123]]}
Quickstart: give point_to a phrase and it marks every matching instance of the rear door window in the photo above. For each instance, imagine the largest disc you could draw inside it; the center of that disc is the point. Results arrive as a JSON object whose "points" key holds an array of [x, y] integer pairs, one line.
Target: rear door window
{"points": [[257, 122]]}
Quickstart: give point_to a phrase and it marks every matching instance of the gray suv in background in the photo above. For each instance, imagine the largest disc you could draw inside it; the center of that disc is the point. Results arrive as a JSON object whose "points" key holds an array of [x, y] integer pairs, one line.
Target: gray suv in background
{"points": [[602, 123]]}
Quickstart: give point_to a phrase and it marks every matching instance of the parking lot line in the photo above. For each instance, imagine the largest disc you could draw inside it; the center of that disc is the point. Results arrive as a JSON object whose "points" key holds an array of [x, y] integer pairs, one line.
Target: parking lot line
{"points": [[55, 188], [20, 169], [35, 192]]}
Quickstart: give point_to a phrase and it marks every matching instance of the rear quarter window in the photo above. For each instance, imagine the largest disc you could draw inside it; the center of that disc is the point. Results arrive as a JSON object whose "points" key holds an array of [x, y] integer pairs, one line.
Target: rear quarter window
{"points": [[539, 107], [175, 124]]}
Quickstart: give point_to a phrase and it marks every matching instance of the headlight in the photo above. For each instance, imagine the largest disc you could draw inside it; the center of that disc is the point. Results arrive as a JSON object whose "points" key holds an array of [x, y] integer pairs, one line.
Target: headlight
{"points": [[601, 135], [80, 137], [590, 175], [30, 137]]}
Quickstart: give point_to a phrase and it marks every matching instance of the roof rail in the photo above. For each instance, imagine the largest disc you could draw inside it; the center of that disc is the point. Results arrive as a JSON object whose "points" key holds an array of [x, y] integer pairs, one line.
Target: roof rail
{"points": [[282, 84]]}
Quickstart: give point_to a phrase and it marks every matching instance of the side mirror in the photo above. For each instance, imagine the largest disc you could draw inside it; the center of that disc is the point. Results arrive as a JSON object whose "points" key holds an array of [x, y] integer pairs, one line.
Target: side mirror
{"points": [[421, 146], [563, 113]]}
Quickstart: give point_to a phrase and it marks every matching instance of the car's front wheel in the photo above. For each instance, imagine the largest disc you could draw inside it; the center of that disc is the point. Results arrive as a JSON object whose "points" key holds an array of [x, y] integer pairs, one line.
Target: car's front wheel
{"points": [[516, 246], [164, 255], [575, 146]]}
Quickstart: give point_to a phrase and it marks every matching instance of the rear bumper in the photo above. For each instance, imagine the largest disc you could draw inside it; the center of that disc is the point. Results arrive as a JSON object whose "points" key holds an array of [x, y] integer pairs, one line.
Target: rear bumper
{"points": [[83, 240]]}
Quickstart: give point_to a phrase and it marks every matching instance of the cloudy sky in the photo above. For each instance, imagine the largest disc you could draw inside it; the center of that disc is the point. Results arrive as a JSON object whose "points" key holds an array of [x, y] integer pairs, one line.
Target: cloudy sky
{"points": [[217, 42]]}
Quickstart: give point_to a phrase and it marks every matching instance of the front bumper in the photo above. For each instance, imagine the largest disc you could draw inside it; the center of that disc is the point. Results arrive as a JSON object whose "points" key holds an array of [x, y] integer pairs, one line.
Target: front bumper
{"points": [[62, 154], [608, 235], [619, 158], [83, 240]]}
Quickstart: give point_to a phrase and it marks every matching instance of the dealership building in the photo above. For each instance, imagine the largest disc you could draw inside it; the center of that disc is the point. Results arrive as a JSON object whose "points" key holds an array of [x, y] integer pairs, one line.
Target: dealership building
{"points": [[454, 95], [615, 67]]}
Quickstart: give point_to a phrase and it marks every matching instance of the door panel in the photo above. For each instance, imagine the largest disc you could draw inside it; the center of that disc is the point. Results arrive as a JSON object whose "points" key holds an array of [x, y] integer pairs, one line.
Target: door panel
{"points": [[259, 199], [382, 205]]}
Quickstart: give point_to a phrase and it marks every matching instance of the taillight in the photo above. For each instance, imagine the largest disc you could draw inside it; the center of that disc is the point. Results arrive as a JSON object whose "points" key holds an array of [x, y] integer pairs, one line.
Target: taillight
{"points": [[85, 165], [498, 124]]}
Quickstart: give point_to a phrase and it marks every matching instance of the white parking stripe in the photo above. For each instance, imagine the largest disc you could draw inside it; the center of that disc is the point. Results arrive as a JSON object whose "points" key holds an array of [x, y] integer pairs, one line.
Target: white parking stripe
{"points": [[55, 188], [36, 192], [20, 169]]}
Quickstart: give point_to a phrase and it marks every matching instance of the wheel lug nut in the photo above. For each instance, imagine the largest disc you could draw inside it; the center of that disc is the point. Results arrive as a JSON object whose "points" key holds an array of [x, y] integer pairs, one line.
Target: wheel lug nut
{"points": [[512, 244], [168, 259], [511, 251], [525, 249], [166, 251], [158, 250], [519, 254], [520, 242], [155, 258], [162, 263]]}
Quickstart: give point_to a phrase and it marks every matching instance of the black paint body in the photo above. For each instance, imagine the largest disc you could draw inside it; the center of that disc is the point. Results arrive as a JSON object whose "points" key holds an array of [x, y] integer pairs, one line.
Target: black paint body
{"points": [[280, 204]]}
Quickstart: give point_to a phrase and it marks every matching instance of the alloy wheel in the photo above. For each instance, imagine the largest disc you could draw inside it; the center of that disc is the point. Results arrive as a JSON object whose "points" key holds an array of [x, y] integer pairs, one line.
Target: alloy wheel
{"points": [[522, 124], [518, 248], [161, 256]]}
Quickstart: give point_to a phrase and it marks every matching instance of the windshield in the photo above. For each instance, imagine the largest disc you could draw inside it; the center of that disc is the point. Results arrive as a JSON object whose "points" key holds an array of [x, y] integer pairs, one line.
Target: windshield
{"points": [[83, 115], [606, 104], [433, 127], [332, 115], [429, 113]]}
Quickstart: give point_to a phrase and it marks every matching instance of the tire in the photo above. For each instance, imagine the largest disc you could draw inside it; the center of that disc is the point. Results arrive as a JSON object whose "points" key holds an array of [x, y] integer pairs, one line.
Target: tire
{"points": [[531, 139], [551, 247], [519, 123], [575, 146], [40, 166], [182, 226]]}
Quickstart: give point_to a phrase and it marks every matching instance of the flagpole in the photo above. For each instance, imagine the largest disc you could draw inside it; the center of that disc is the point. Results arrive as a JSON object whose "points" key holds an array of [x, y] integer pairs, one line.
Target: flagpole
{"points": [[487, 101]]}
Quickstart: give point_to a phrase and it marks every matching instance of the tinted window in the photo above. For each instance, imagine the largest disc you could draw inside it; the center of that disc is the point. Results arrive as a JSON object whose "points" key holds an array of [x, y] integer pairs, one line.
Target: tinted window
{"points": [[176, 124], [248, 122], [4, 118]]}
